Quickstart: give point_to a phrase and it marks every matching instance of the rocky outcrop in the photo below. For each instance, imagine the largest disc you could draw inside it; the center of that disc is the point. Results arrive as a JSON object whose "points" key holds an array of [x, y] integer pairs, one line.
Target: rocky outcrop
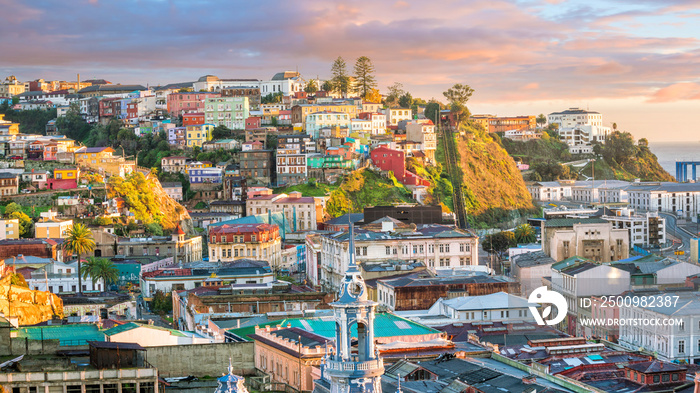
{"points": [[30, 306]]}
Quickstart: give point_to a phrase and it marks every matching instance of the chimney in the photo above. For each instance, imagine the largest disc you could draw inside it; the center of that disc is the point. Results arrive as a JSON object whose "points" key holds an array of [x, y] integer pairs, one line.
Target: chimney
{"points": [[529, 379], [78, 87]]}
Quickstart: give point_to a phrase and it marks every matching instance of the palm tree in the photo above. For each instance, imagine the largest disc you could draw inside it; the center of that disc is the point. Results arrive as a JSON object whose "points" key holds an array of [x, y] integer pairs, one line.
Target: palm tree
{"points": [[525, 233], [80, 241], [100, 269]]}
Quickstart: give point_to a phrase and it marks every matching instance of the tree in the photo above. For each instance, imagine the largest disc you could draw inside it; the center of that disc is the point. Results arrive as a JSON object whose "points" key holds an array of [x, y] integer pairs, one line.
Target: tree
{"points": [[457, 96], [25, 223], [161, 303], [614, 126], [100, 269], [364, 78], [525, 233], [373, 95], [12, 207], [499, 242], [541, 120], [79, 241], [327, 86], [432, 111], [619, 147], [643, 142], [221, 132], [272, 98], [154, 228], [311, 86], [340, 79], [406, 100], [395, 91]]}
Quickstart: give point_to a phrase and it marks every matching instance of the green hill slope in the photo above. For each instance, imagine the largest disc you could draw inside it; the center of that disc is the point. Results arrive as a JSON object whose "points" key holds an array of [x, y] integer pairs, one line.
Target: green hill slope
{"points": [[366, 188], [493, 186]]}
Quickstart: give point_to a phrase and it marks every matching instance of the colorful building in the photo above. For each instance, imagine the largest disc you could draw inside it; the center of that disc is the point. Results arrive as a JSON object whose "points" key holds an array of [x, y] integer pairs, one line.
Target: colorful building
{"points": [[230, 112], [181, 103], [198, 134], [51, 227], [318, 120], [192, 118], [230, 242]]}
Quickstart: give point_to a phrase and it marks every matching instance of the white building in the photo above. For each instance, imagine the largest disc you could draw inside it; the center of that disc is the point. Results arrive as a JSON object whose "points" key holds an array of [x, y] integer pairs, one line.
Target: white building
{"points": [[436, 246], [287, 83], [360, 125], [646, 230], [395, 115], [550, 191], [57, 277], [496, 307], [677, 339], [682, 199], [192, 275], [579, 129], [576, 278], [378, 122]]}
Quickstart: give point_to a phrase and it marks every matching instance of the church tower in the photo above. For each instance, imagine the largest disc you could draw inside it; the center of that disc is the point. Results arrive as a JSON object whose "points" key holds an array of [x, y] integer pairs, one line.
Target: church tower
{"points": [[347, 370]]}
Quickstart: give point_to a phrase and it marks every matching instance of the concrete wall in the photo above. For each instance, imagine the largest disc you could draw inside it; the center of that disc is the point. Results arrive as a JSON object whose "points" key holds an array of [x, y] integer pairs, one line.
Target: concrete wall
{"points": [[21, 346], [203, 359]]}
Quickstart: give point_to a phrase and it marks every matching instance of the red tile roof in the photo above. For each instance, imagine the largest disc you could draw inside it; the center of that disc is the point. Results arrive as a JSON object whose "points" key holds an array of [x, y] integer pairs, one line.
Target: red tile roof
{"points": [[241, 228]]}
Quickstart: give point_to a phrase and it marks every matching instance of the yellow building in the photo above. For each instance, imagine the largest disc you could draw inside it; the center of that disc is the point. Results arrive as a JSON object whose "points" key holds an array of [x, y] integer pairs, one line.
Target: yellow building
{"points": [[7, 128], [100, 159], [9, 229], [198, 134], [66, 173], [51, 227]]}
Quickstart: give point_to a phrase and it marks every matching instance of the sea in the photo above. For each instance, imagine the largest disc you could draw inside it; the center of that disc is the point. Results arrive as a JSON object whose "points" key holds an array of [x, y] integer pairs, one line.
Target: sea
{"points": [[669, 152]]}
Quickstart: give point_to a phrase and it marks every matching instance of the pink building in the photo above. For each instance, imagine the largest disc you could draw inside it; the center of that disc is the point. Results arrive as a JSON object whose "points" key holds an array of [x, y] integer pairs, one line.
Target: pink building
{"points": [[395, 160], [179, 103], [253, 122]]}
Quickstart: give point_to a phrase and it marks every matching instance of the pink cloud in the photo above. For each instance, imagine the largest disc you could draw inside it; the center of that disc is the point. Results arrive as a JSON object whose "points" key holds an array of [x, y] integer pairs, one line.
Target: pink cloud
{"points": [[677, 92]]}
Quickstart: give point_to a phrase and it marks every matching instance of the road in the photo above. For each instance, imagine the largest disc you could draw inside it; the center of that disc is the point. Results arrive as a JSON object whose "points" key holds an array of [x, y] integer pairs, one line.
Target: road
{"points": [[674, 231]]}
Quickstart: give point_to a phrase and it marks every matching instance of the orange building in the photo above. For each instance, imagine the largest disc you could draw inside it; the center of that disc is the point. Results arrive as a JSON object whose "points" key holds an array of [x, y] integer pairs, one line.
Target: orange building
{"points": [[502, 124]]}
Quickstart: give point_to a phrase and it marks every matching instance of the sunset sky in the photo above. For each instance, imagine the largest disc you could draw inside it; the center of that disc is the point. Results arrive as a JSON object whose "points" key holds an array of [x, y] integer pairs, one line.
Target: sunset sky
{"points": [[636, 62]]}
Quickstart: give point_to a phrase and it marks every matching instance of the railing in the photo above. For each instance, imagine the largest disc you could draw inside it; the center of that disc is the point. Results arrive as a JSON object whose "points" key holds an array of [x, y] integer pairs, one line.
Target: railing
{"points": [[358, 366]]}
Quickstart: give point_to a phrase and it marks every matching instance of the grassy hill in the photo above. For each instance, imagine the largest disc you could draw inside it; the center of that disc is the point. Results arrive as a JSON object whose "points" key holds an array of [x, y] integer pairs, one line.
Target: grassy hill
{"points": [[366, 188], [493, 186]]}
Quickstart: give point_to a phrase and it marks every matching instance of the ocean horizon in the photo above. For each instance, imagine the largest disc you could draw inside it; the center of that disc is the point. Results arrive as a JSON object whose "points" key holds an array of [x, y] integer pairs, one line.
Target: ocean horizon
{"points": [[668, 153]]}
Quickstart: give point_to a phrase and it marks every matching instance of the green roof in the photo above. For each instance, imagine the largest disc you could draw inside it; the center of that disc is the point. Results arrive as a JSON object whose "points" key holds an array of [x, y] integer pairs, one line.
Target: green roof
{"points": [[132, 325], [385, 325], [570, 261], [570, 222], [66, 334]]}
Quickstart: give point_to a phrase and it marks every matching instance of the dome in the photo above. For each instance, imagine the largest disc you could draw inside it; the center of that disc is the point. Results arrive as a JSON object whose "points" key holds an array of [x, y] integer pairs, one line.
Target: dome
{"points": [[208, 78]]}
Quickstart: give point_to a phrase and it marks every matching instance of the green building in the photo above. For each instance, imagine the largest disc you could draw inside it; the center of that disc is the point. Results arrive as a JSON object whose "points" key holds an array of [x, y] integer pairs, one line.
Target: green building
{"points": [[230, 112]]}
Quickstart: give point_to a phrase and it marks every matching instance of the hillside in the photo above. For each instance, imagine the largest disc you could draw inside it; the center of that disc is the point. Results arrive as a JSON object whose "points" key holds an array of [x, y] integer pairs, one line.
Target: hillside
{"points": [[493, 186], [145, 197], [365, 188], [619, 158]]}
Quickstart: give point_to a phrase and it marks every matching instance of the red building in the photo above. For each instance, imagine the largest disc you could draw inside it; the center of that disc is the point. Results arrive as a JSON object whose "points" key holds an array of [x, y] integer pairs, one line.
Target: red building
{"points": [[61, 184], [655, 372], [229, 242], [252, 122], [110, 107], [132, 110], [192, 118], [180, 103], [395, 160]]}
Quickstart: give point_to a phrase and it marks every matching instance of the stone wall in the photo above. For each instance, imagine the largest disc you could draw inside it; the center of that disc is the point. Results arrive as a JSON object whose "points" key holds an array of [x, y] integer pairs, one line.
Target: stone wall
{"points": [[203, 359]]}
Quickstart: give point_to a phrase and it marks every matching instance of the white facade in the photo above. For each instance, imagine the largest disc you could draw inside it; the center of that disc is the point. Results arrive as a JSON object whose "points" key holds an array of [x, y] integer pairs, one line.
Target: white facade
{"points": [[677, 340], [452, 249], [496, 307], [299, 211], [287, 84], [574, 117], [57, 277], [579, 129], [681, 199], [550, 191], [395, 115], [360, 125], [167, 283], [645, 229]]}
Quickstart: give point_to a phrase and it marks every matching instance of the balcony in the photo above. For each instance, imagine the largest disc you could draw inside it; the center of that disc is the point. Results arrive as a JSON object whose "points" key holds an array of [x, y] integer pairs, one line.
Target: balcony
{"points": [[358, 366]]}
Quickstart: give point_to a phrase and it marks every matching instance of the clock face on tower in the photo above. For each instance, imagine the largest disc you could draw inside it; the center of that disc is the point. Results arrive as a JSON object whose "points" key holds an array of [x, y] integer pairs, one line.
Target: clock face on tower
{"points": [[355, 288]]}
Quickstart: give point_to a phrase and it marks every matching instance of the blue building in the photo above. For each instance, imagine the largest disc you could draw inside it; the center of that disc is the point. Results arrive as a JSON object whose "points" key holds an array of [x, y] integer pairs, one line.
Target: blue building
{"points": [[205, 175]]}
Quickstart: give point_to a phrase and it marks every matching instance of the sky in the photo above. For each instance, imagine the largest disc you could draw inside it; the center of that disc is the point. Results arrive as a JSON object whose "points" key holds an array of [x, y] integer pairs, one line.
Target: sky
{"points": [[636, 62]]}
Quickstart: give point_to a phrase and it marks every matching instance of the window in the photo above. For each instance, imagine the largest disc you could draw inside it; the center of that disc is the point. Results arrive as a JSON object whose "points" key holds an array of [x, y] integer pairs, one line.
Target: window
{"points": [[656, 379], [665, 378], [388, 250], [681, 346]]}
